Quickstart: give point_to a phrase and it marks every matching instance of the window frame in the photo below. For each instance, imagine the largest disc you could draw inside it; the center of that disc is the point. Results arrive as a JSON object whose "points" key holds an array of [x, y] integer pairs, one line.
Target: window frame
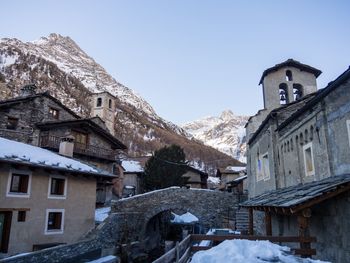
{"points": [[52, 111], [348, 128], [9, 193], [10, 123], [50, 195], [48, 231], [305, 148]]}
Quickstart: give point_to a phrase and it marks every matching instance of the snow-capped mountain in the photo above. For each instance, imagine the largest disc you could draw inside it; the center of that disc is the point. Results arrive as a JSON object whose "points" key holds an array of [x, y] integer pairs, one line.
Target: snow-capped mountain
{"points": [[225, 133], [58, 65]]}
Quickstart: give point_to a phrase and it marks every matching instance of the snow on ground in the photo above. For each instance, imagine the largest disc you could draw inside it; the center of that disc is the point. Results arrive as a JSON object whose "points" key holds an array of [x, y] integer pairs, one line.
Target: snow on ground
{"points": [[186, 218], [104, 259], [235, 168], [101, 214], [246, 251], [27, 153]]}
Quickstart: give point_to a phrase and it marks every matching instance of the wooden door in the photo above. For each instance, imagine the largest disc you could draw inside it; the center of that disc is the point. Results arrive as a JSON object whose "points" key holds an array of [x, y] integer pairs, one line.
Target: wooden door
{"points": [[5, 227]]}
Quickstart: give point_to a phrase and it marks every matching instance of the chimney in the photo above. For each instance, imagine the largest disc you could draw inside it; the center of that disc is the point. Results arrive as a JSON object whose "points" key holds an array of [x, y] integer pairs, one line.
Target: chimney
{"points": [[28, 90], [67, 146]]}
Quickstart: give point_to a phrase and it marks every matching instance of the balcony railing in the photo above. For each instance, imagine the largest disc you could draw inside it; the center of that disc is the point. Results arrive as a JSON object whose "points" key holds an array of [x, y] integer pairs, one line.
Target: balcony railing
{"points": [[53, 142]]}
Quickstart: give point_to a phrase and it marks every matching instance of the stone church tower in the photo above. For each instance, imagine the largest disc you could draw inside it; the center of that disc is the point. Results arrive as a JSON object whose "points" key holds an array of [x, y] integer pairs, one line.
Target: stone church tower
{"points": [[103, 105], [287, 82]]}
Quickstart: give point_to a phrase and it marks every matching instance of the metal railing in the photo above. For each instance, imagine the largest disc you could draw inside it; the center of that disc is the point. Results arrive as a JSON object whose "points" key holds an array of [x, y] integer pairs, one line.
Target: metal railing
{"points": [[53, 142]]}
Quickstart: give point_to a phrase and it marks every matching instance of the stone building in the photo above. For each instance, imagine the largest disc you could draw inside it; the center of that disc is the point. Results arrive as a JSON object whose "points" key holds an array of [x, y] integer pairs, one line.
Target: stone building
{"points": [[103, 105], [298, 161], [46, 199], [195, 178], [41, 120]]}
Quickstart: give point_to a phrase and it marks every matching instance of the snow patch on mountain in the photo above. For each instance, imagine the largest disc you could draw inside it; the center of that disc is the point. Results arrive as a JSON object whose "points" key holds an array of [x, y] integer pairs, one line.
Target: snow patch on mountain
{"points": [[226, 133]]}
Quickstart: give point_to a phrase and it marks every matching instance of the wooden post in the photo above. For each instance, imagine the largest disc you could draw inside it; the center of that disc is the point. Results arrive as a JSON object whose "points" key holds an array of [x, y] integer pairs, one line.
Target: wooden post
{"points": [[304, 230], [251, 223], [268, 223], [177, 252]]}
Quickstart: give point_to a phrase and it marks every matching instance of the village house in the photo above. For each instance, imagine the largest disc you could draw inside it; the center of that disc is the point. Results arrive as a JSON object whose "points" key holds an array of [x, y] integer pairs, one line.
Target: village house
{"points": [[132, 176], [41, 120], [195, 178], [46, 199], [298, 161], [231, 178]]}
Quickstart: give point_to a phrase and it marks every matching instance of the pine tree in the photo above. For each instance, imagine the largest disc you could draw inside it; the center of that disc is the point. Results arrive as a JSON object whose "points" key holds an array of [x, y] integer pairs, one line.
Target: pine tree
{"points": [[165, 168]]}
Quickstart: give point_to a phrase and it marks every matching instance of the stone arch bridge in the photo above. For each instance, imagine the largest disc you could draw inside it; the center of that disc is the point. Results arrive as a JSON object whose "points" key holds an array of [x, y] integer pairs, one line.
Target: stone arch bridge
{"points": [[212, 208]]}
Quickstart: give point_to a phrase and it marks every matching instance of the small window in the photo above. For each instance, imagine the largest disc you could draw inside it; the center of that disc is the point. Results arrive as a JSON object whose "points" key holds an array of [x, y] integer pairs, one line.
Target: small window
{"points": [[57, 187], [54, 221], [283, 93], [11, 123], [289, 75], [21, 217], [266, 166], [297, 91], [308, 160], [99, 102], [81, 139], [53, 113], [19, 183], [110, 103]]}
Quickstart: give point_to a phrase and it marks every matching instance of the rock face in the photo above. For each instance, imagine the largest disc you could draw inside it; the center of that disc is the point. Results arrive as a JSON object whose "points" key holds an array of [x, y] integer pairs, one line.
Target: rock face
{"points": [[226, 133], [58, 65]]}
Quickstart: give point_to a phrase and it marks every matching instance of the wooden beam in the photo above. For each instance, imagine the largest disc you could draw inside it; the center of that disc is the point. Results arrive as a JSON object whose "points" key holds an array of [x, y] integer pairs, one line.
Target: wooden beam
{"points": [[304, 231], [13, 209], [251, 221], [341, 189], [268, 224], [304, 252], [287, 239]]}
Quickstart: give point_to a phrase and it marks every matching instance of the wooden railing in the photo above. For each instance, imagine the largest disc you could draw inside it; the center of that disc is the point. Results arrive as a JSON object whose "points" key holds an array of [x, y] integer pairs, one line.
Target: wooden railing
{"points": [[179, 254], [274, 239], [53, 142]]}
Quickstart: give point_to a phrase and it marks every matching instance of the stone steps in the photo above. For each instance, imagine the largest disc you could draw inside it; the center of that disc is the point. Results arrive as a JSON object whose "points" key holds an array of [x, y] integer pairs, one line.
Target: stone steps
{"points": [[242, 220]]}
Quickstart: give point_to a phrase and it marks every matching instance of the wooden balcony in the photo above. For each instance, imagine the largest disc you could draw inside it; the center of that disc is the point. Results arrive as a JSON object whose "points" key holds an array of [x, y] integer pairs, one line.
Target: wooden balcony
{"points": [[53, 142]]}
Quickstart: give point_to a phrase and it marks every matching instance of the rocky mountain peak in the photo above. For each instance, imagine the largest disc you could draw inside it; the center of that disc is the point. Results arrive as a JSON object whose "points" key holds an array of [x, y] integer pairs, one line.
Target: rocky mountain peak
{"points": [[227, 115]]}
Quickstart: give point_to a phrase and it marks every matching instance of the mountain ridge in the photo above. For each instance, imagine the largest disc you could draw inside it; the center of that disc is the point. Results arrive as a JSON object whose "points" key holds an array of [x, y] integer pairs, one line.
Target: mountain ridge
{"points": [[57, 64]]}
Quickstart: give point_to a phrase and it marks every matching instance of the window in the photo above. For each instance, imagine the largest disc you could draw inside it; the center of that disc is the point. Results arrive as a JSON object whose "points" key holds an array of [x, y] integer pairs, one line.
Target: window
{"points": [[110, 103], [99, 102], [11, 123], [19, 184], [81, 139], [21, 217], [53, 113], [289, 76], [308, 160], [54, 221], [263, 169], [283, 92], [297, 91], [57, 187], [266, 168]]}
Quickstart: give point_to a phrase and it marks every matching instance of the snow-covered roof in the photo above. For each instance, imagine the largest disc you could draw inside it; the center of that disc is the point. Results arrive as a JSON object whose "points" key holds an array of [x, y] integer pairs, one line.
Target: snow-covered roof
{"points": [[132, 166], [247, 251], [213, 180], [235, 168], [17, 152], [186, 218], [102, 213]]}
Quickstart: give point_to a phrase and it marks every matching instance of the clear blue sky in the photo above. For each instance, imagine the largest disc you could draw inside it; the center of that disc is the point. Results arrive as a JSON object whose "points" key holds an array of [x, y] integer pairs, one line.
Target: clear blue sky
{"points": [[193, 58]]}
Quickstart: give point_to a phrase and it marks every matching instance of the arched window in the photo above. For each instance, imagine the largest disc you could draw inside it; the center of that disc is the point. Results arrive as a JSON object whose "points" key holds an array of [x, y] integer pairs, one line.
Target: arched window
{"points": [[99, 102], [306, 135], [291, 144], [289, 75], [283, 92], [297, 91], [110, 103], [311, 132], [301, 139]]}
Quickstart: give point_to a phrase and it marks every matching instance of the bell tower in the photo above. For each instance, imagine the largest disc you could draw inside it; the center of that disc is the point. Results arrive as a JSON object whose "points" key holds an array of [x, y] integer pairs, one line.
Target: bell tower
{"points": [[287, 82], [103, 105]]}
